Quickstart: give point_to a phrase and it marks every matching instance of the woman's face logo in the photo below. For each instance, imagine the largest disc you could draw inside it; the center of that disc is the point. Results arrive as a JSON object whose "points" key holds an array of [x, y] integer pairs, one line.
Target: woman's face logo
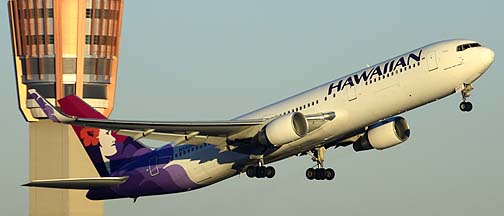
{"points": [[101, 138], [107, 143]]}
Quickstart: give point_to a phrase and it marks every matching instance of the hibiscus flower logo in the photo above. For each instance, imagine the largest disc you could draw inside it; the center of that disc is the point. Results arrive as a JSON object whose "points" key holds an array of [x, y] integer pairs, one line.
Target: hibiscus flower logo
{"points": [[89, 136]]}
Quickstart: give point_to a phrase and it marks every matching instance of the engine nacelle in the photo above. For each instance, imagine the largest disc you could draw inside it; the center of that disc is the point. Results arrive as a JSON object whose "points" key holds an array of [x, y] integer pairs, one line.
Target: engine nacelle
{"points": [[283, 130], [384, 134]]}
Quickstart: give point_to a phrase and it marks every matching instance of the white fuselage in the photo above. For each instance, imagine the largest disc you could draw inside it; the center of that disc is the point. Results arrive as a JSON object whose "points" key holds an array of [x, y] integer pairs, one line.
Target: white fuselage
{"points": [[439, 71]]}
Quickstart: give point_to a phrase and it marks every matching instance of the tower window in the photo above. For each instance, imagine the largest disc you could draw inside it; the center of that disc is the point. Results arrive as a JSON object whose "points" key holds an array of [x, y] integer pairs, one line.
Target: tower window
{"points": [[69, 89], [95, 91], [46, 90]]}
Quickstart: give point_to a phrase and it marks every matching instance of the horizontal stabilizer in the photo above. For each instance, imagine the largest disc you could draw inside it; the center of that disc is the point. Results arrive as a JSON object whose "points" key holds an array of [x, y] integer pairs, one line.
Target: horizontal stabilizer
{"points": [[78, 183]]}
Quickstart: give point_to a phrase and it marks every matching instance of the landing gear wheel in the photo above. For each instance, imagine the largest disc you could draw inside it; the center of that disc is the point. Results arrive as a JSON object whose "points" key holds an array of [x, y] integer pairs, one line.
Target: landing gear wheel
{"points": [[269, 172], [320, 174], [260, 172], [329, 174], [251, 171], [310, 174], [466, 106], [466, 89]]}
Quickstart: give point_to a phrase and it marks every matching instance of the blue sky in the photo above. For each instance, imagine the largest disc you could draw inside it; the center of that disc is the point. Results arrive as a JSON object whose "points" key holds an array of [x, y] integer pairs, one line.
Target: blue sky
{"points": [[203, 60]]}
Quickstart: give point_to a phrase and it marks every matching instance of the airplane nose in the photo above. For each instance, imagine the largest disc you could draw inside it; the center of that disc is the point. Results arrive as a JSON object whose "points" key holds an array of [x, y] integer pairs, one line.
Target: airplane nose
{"points": [[487, 56]]}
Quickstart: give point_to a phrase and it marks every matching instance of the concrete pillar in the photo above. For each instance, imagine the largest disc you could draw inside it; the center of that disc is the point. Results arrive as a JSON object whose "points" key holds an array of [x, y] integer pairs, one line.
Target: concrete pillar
{"points": [[56, 152]]}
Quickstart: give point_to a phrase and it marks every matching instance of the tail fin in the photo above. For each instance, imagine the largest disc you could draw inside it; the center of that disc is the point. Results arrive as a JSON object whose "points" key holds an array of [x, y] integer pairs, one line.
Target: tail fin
{"points": [[107, 150]]}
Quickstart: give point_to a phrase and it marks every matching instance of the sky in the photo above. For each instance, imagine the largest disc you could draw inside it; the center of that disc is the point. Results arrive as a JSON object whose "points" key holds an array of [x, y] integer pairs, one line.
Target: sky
{"points": [[209, 60]]}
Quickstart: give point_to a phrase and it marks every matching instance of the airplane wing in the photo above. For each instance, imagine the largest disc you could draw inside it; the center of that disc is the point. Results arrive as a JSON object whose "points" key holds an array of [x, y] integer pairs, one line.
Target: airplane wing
{"points": [[203, 128], [78, 183]]}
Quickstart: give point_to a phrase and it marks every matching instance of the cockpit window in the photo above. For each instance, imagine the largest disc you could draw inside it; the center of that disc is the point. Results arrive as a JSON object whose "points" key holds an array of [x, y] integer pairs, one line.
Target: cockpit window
{"points": [[463, 47]]}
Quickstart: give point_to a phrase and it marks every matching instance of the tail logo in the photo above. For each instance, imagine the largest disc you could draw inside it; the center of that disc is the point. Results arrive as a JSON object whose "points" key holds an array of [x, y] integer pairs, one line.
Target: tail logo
{"points": [[102, 141]]}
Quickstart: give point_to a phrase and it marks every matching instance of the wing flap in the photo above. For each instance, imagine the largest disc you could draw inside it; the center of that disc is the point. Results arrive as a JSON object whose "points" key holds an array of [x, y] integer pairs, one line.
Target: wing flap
{"points": [[191, 138], [78, 183]]}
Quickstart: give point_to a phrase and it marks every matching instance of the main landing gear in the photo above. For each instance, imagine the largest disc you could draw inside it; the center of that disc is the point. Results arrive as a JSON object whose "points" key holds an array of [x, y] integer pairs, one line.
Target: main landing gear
{"points": [[260, 171], [319, 173], [466, 106]]}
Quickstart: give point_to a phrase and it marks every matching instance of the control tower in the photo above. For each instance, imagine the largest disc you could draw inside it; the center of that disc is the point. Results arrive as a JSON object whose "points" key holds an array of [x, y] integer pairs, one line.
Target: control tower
{"points": [[63, 47]]}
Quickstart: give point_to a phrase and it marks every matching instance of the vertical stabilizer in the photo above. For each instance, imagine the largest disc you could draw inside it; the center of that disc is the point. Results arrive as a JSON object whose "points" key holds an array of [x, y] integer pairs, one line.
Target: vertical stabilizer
{"points": [[107, 150]]}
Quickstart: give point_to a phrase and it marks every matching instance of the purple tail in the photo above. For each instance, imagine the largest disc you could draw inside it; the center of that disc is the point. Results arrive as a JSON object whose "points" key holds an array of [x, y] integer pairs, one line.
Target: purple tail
{"points": [[107, 150]]}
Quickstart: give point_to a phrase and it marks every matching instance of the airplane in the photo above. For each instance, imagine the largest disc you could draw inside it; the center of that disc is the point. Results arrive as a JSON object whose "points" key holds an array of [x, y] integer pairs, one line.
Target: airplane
{"points": [[360, 109]]}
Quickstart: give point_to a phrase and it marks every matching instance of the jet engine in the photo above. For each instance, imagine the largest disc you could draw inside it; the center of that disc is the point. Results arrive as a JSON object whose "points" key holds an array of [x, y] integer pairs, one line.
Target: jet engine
{"points": [[384, 134], [283, 130]]}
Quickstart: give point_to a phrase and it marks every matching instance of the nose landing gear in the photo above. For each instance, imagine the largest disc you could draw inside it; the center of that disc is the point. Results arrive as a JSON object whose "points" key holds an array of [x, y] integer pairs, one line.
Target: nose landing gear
{"points": [[319, 173], [466, 106]]}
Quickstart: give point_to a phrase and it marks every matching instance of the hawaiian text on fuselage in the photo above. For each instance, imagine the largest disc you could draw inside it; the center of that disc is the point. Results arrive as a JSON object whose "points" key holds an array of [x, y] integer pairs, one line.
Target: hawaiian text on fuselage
{"points": [[377, 71]]}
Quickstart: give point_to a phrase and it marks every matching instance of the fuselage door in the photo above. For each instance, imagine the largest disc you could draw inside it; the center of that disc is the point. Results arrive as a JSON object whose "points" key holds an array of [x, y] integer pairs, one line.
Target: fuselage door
{"points": [[432, 61], [153, 166], [351, 93]]}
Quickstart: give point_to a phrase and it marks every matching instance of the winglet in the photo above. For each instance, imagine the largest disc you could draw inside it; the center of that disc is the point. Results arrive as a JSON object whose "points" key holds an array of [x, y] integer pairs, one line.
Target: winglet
{"points": [[50, 111]]}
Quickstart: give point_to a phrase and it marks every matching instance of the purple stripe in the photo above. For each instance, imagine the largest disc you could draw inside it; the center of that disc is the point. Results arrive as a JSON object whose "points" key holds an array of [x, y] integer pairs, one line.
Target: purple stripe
{"points": [[173, 179]]}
